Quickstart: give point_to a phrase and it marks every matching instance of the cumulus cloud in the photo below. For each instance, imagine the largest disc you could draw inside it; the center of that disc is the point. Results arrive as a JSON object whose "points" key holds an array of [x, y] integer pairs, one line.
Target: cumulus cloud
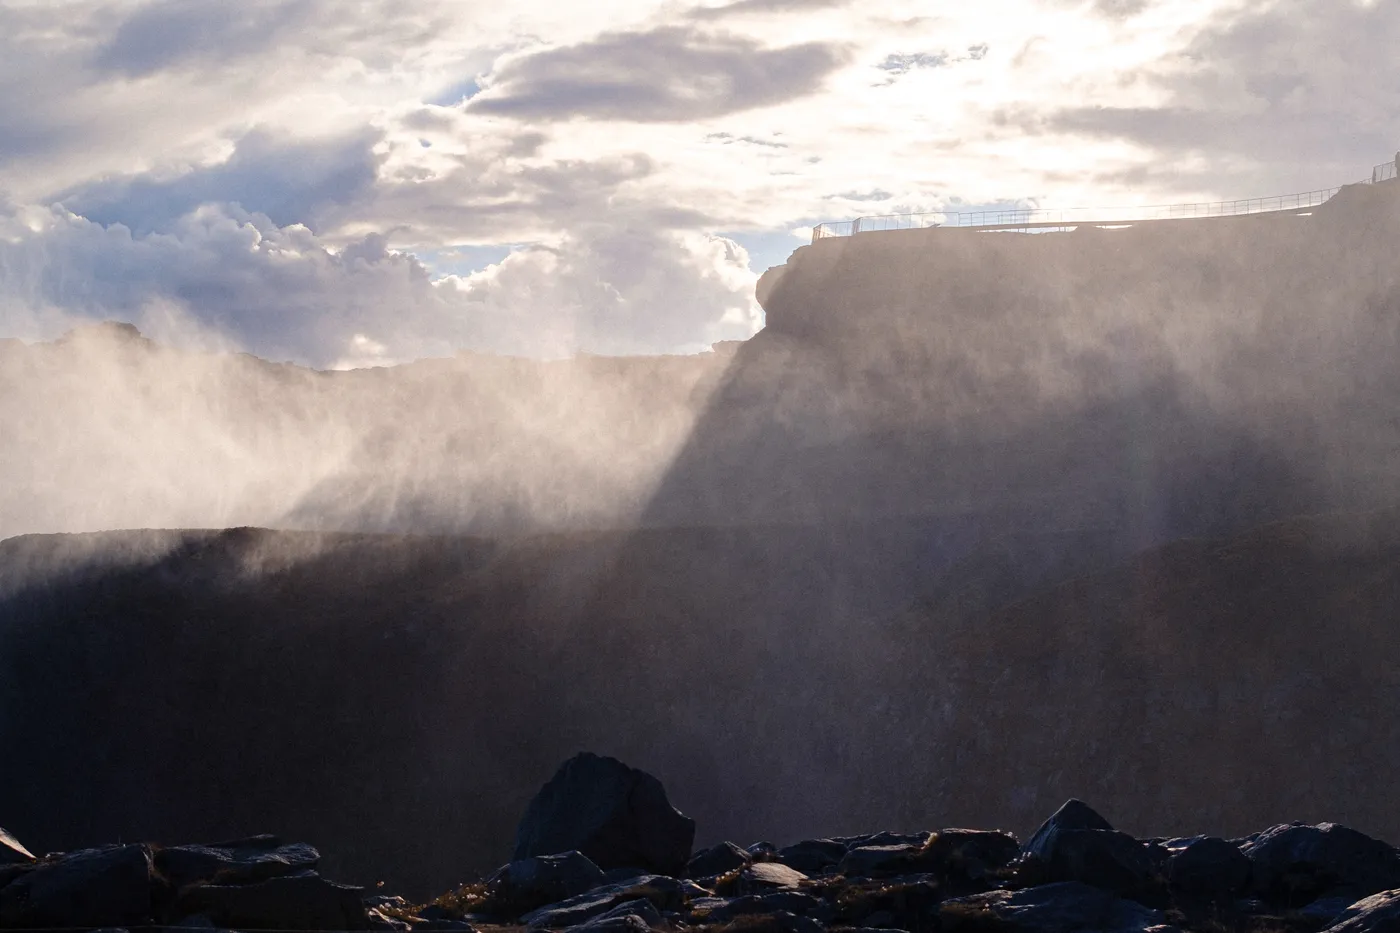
{"points": [[282, 293], [167, 33], [288, 179], [668, 74]]}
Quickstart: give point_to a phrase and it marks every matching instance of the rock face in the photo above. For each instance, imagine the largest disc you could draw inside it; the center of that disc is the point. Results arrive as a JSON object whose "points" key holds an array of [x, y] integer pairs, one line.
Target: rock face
{"points": [[616, 815]]}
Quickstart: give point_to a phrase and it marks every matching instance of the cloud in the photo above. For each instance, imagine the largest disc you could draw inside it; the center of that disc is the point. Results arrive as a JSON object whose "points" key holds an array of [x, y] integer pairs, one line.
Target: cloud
{"points": [[289, 180], [670, 74], [1291, 93], [168, 33], [902, 64], [238, 279], [759, 7]]}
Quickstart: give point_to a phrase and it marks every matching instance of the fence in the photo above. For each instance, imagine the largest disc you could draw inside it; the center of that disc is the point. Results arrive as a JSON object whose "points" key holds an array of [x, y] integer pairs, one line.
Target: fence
{"points": [[1071, 217]]}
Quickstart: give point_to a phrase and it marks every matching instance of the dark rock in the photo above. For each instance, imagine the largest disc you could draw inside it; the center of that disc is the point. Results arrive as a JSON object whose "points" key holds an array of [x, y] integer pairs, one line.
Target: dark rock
{"points": [[1073, 814], [717, 860], [761, 877], [1326, 910], [879, 861], [664, 894], [1207, 867], [793, 902], [616, 815], [240, 861], [884, 839], [11, 851], [640, 909], [1076, 844], [384, 900], [626, 923], [813, 856], [533, 882], [304, 901], [1296, 863], [1379, 913], [762, 851], [1067, 907], [968, 853], [110, 886], [908, 902]]}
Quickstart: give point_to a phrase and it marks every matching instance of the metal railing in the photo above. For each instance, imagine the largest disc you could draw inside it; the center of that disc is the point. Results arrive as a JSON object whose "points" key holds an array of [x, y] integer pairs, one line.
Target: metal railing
{"points": [[1096, 216]]}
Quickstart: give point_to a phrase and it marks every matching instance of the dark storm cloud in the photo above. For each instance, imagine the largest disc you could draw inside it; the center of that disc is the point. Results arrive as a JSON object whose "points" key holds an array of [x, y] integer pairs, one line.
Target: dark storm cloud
{"points": [[172, 32], [288, 180], [1303, 86], [669, 74]]}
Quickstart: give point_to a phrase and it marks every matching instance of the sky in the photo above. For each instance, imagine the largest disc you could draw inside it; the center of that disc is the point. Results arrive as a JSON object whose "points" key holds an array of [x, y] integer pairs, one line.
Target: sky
{"points": [[348, 183]]}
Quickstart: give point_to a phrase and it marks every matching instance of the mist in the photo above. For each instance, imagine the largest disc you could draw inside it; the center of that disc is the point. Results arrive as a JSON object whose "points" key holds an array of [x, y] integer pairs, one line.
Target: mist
{"points": [[968, 528]]}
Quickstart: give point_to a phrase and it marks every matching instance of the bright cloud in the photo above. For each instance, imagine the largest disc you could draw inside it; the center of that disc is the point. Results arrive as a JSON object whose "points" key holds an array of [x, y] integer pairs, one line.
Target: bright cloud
{"points": [[285, 176]]}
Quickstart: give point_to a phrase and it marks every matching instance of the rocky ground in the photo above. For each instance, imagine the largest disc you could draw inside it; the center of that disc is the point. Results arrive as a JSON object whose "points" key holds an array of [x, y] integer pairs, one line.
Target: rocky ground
{"points": [[601, 850]]}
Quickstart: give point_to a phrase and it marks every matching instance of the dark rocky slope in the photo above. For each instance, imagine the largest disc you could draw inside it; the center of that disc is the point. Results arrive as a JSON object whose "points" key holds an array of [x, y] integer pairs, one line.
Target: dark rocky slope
{"points": [[1075, 874], [388, 698]]}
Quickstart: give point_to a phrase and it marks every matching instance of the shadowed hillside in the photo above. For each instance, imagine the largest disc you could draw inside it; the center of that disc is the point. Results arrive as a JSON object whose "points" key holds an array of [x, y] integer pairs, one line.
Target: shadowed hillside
{"points": [[395, 700]]}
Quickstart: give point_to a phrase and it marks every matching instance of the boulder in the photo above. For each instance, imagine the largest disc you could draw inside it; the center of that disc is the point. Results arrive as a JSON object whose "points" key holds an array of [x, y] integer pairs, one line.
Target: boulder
{"points": [[239, 861], [1076, 844], [879, 861], [1073, 814], [1207, 867], [885, 839], [762, 851], [813, 856], [1296, 863], [617, 816], [1066, 907], [110, 886], [969, 853], [1379, 913], [663, 893], [533, 882], [302, 901], [11, 851], [762, 877], [717, 860]]}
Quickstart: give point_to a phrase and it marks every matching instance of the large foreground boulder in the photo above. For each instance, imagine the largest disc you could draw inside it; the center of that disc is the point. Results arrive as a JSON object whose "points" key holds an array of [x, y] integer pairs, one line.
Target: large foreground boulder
{"points": [[616, 815], [104, 887], [1295, 863], [11, 851]]}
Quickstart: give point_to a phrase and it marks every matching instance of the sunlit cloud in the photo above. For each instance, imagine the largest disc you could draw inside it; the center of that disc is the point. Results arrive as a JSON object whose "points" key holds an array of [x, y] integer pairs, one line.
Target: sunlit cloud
{"points": [[530, 138]]}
